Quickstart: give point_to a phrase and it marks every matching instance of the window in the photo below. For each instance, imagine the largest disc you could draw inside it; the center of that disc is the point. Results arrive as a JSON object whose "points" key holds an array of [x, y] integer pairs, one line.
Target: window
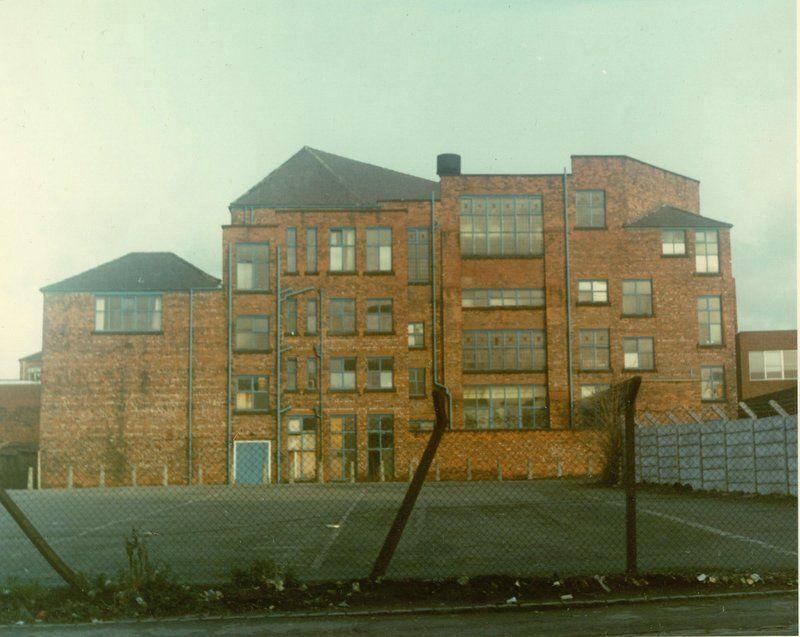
{"points": [[34, 374], [593, 291], [773, 365], [416, 381], [290, 369], [712, 383], [706, 251], [419, 265], [421, 425], [291, 250], [380, 446], [311, 316], [301, 443], [592, 389], [416, 335], [343, 316], [248, 216], [590, 208], [673, 243], [290, 317], [379, 249], [505, 407], [380, 373], [501, 226], [504, 350], [127, 313], [252, 266], [638, 353], [510, 297], [594, 349], [252, 332], [709, 317], [343, 373], [343, 250], [311, 373], [637, 297], [311, 250], [252, 393], [343, 446], [379, 316]]}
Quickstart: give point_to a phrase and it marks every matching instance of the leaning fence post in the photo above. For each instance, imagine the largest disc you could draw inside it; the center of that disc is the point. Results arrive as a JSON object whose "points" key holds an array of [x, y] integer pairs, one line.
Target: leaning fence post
{"points": [[630, 475], [778, 409], [746, 409]]}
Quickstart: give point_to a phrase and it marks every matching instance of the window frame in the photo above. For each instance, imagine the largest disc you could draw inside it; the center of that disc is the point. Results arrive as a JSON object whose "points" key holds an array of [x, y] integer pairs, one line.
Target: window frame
{"points": [[290, 375], [384, 451], [592, 292], [291, 251], [381, 362], [639, 353], [381, 304], [709, 324], [592, 207], [343, 373], [312, 317], [375, 236], [472, 353], [150, 313], [346, 248], [252, 318], [344, 453], [637, 298], [674, 255], [312, 254], [420, 380], [703, 381], [334, 316], [701, 251], [312, 363], [265, 263], [783, 367], [475, 297], [475, 226], [489, 408], [413, 334], [416, 247], [595, 331], [251, 392]]}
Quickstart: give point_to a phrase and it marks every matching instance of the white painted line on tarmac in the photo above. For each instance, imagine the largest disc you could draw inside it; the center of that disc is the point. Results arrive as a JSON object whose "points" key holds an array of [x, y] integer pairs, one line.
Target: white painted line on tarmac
{"points": [[702, 527], [336, 531]]}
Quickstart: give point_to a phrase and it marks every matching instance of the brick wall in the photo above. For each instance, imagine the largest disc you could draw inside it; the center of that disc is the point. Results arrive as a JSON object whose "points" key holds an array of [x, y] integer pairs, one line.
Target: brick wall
{"points": [[747, 342], [19, 412]]}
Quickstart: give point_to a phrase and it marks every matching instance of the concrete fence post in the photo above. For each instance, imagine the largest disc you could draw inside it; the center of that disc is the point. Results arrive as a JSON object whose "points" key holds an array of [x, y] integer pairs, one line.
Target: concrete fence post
{"points": [[784, 422], [381, 471], [133, 476], [320, 472], [469, 469], [589, 468], [165, 475], [755, 456], [499, 471], [725, 456], [200, 474], [69, 477], [658, 455], [438, 473], [410, 470], [559, 468], [746, 409], [778, 409], [30, 477], [352, 472], [702, 457], [265, 477], [678, 454], [102, 480], [530, 469]]}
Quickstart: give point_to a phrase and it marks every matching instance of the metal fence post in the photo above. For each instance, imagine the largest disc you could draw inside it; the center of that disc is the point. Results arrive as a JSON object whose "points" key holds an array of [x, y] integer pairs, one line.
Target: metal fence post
{"points": [[755, 455], [630, 475]]}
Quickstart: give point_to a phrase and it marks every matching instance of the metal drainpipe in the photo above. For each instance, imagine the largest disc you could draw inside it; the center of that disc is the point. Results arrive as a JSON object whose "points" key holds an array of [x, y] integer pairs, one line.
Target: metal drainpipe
{"points": [[229, 433], [191, 374], [319, 371], [569, 301], [434, 316], [278, 345]]}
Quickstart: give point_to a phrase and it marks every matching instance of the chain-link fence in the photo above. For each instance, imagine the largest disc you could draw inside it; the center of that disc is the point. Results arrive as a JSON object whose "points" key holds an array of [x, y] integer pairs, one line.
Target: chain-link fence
{"points": [[462, 523]]}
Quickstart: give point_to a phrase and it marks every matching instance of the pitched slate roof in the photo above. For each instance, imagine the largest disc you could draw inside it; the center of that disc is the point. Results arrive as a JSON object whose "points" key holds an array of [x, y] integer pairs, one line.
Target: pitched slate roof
{"points": [[138, 272], [37, 356], [669, 217], [314, 179]]}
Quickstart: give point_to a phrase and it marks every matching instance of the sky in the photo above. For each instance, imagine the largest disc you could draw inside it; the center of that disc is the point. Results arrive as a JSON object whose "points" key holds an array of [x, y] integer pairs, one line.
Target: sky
{"points": [[130, 126]]}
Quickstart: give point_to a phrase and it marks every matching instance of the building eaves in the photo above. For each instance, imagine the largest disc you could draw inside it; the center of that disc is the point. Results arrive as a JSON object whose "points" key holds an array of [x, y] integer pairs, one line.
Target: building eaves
{"points": [[670, 217]]}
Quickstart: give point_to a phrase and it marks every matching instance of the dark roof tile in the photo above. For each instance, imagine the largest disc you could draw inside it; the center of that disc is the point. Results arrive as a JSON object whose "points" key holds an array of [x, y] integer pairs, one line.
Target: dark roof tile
{"points": [[669, 217], [138, 272]]}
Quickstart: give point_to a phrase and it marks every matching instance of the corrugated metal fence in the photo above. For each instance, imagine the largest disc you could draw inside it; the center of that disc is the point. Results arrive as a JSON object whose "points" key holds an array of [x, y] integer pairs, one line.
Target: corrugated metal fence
{"points": [[750, 456]]}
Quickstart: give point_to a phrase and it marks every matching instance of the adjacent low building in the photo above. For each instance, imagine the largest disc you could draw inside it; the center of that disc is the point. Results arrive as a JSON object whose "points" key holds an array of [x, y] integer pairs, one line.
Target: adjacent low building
{"points": [[767, 369], [349, 291]]}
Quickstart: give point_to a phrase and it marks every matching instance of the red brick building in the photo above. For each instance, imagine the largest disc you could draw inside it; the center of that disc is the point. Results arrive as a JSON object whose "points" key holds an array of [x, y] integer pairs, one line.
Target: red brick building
{"points": [[375, 285], [767, 366]]}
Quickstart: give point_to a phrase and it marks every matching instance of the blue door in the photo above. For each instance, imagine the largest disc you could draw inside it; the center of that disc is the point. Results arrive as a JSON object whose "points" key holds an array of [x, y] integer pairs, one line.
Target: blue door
{"points": [[251, 460]]}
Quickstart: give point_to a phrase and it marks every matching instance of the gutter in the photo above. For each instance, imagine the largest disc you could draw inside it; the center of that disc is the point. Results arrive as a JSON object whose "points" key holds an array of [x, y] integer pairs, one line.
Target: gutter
{"points": [[568, 297]]}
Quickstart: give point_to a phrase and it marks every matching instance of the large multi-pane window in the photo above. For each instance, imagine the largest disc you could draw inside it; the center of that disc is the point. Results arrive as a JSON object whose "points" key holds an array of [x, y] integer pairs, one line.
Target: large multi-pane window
{"points": [[343, 250], [416, 335], [638, 352], [380, 446], [594, 349], [252, 266], [343, 373], [709, 319], [592, 389], [504, 350], [637, 297], [593, 291], [712, 383], [673, 243], [127, 313], [416, 381], [252, 393], [590, 208], [251, 332], [505, 407], [379, 316], [290, 374], [379, 249], [419, 264], [501, 226], [380, 372], [301, 443], [311, 250], [311, 373], [706, 251], [773, 364], [342, 316], [290, 316], [343, 446], [311, 316], [505, 297], [291, 250]]}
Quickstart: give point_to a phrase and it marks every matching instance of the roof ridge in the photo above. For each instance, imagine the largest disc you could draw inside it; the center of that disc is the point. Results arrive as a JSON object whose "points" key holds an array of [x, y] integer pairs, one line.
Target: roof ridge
{"points": [[193, 266], [366, 163], [314, 152]]}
